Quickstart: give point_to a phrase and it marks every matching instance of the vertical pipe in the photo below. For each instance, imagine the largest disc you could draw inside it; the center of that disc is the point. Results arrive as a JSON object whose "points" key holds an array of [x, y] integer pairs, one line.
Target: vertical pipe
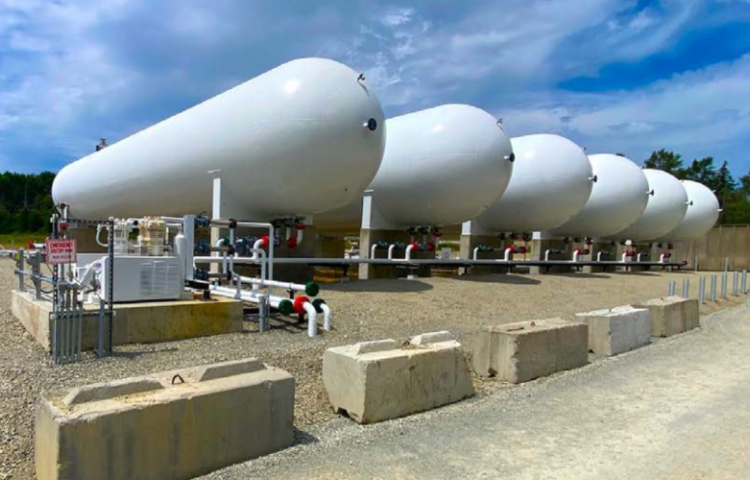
{"points": [[671, 288], [686, 288], [713, 288], [69, 323], [702, 290], [100, 342], [744, 282], [79, 332], [20, 265], [262, 312], [724, 285]]}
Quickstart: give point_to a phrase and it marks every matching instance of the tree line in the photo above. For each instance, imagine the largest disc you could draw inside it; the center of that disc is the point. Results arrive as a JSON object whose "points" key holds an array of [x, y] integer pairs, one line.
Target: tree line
{"points": [[733, 195], [26, 199], [25, 202]]}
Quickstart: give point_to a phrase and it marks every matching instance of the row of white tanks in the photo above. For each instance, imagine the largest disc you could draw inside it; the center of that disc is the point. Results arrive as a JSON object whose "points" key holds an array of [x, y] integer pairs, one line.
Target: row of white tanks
{"points": [[308, 137]]}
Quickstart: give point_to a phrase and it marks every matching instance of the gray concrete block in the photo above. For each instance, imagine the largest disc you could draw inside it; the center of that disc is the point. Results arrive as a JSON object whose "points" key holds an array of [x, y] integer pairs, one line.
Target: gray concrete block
{"points": [[522, 351], [672, 315], [376, 381], [169, 425], [617, 330]]}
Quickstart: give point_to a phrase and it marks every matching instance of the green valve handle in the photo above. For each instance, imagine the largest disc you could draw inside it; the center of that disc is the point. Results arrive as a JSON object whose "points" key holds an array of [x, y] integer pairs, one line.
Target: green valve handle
{"points": [[312, 289], [286, 307]]}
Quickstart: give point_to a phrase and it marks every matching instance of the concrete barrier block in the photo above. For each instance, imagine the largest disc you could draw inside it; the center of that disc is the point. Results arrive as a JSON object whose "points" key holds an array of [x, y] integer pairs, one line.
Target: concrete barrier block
{"points": [[376, 381], [672, 315], [522, 351], [617, 330], [169, 425]]}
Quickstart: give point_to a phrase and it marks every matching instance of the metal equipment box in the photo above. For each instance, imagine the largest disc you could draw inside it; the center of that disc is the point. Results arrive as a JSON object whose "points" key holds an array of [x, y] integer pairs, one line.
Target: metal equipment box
{"points": [[138, 279]]}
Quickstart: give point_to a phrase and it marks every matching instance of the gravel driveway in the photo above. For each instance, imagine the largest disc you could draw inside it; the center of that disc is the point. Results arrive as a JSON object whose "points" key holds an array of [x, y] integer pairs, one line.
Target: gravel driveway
{"points": [[362, 311]]}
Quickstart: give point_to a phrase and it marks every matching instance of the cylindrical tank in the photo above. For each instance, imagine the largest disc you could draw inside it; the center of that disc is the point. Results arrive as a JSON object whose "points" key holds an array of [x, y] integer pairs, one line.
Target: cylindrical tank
{"points": [[442, 166], [665, 209], [305, 137], [701, 215], [551, 182], [618, 199]]}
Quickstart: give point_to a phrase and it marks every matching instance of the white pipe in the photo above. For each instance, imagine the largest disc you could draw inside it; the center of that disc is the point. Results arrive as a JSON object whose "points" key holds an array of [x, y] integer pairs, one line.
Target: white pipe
{"points": [[391, 248], [326, 316], [476, 252], [576, 254], [372, 250], [508, 254], [246, 295], [273, 283], [638, 258], [271, 237], [599, 256], [546, 255], [662, 257], [312, 319], [257, 246], [624, 257], [300, 235], [98, 233], [288, 234], [409, 249]]}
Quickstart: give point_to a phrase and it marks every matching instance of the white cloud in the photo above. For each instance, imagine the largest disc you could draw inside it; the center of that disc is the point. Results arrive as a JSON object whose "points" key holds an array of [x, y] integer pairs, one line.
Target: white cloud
{"points": [[696, 113], [397, 17]]}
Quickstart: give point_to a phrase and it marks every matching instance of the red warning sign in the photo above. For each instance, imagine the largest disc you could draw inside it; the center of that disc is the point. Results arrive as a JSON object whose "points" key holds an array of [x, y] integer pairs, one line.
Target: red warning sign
{"points": [[60, 252]]}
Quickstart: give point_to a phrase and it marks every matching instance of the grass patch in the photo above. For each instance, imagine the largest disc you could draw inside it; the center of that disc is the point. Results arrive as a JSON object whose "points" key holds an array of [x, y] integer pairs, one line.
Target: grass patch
{"points": [[18, 240]]}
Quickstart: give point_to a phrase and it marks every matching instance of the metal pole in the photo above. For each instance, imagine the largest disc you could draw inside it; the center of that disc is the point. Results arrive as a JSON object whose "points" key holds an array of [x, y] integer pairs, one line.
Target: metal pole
{"points": [[726, 264], [713, 288], [20, 265], [671, 289], [702, 290], [724, 285], [686, 288], [744, 282], [735, 283], [100, 341]]}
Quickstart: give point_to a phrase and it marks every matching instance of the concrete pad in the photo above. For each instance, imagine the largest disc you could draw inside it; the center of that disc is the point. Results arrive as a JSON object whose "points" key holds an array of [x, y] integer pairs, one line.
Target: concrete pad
{"points": [[672, 315], [147, 322], [169, 425], [617, 330], [522, 351], [376, 381]]}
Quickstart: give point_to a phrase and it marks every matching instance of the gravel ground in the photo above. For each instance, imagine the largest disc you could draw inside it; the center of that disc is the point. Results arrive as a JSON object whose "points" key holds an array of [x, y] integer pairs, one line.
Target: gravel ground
{"points": [[362, 311], [678, 409]]}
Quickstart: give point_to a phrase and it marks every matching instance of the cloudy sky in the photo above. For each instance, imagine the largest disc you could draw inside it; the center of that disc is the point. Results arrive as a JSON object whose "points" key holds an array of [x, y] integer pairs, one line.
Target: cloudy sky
{"points": [[625, 76]]}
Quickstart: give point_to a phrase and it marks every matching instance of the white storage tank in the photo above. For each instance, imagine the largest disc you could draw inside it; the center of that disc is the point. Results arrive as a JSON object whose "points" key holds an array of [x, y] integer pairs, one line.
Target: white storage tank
{"points": [[701, 215], [305, 137], [552, 180], [618, 199], [441, 166], [665, 210]]}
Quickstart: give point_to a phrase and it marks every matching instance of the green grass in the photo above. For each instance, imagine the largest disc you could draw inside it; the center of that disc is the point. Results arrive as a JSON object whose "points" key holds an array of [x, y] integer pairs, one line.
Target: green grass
{"points": [[21, 239]]}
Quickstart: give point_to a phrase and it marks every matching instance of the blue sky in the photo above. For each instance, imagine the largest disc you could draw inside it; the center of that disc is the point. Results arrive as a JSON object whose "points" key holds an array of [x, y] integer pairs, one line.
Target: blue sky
{"points": [[625, 76]]}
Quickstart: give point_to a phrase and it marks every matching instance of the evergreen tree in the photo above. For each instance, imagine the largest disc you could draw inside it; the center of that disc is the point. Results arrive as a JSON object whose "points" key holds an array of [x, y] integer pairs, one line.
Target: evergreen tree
{"points": [[665, 160]]}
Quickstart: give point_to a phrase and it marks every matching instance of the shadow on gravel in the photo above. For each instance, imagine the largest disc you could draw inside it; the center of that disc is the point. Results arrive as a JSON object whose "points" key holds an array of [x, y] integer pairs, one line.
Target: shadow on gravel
{"points": [[133, 354], [400, 285], [582, 275], [639, 274], [508, 279], [303, 438]]}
